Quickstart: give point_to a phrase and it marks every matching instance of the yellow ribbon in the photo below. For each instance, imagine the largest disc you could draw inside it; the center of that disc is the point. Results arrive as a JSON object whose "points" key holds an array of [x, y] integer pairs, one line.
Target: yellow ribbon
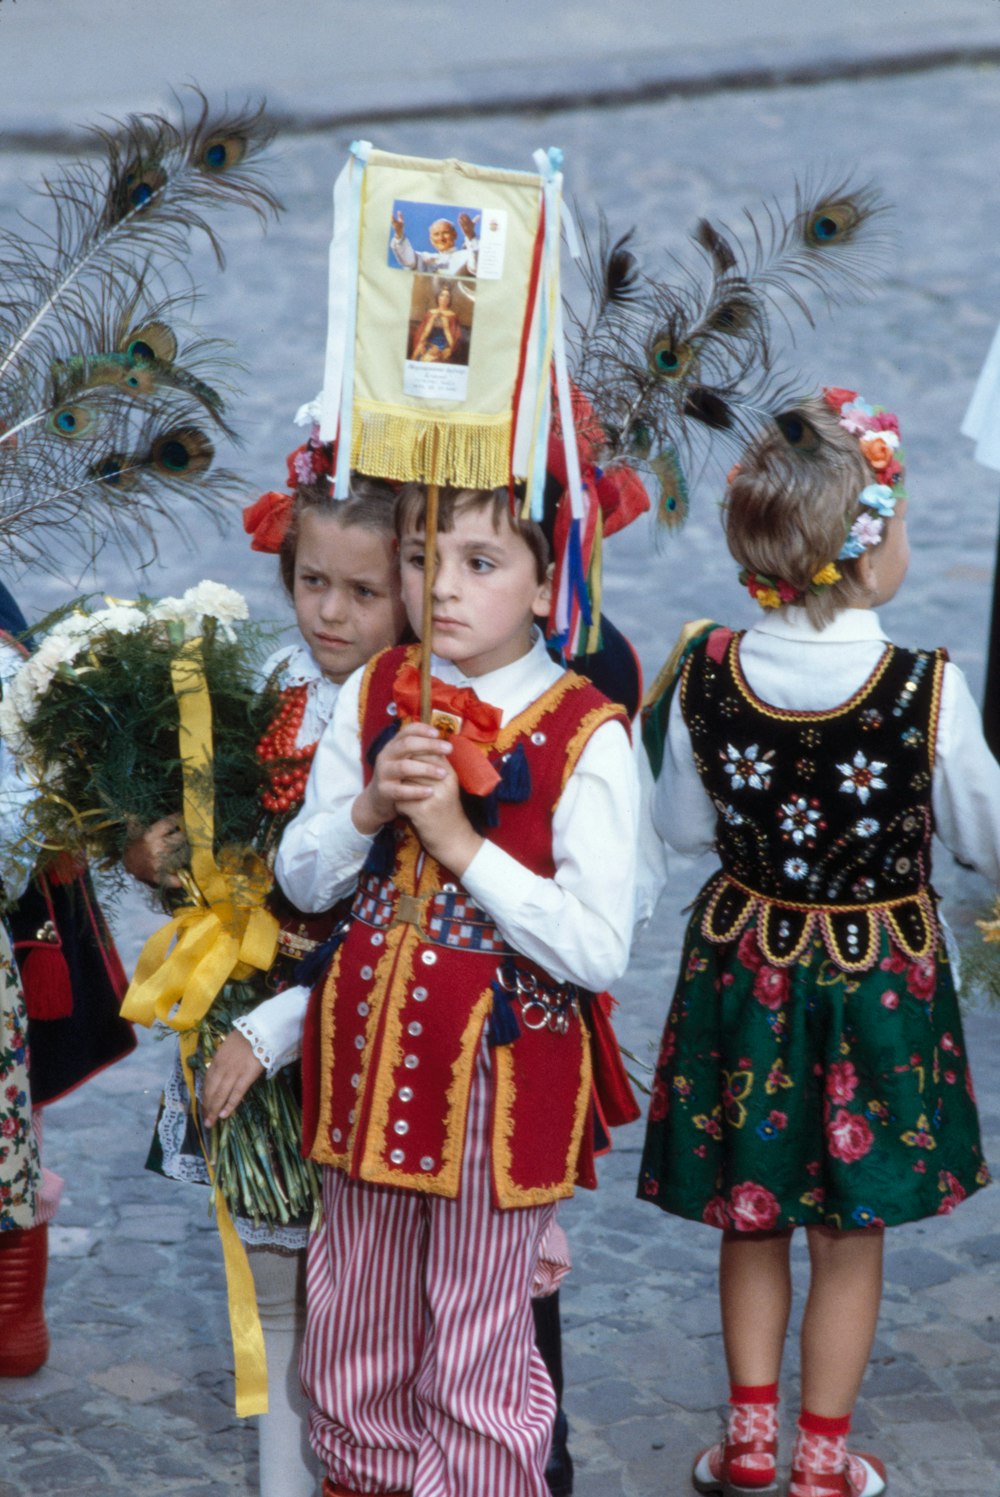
{"points": [[184, 965]]}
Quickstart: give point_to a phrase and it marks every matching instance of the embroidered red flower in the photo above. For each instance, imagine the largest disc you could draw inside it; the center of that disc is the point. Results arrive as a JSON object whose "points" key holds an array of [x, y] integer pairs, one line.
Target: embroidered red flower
{"points": [[752, 1208], [841, 1081], [748, 952], [770, 986], [715, 1213], [894, 962], [659, 1102], [954, 1191], [889, 999], [921, 978], [848, 1137]]}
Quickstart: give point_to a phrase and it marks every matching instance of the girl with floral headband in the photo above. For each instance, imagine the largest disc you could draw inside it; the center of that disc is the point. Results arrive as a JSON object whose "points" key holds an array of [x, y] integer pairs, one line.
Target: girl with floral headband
{"points": [[813, 1071]]}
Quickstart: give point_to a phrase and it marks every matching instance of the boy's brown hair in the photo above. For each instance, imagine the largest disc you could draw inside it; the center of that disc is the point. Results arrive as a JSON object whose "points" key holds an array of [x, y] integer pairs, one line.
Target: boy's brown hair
{"points": [[791, 502], [411, 514], [369, 506]]}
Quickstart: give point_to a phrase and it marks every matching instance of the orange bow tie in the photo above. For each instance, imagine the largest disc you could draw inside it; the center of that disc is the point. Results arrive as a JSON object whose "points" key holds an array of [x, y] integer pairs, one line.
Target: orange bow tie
{"points": [[459, 715]]}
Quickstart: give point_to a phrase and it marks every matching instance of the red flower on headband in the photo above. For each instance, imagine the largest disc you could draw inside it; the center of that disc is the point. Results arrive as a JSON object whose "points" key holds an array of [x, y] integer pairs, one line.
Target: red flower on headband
{"points": [[267, 520], [835, 397]]}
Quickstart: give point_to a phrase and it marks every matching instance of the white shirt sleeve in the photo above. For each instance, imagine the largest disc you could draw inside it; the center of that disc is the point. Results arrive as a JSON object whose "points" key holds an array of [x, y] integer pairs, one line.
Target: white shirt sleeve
{"points": [[322, 851], [683, 811], [404, 252], [577, 925], [274, 1028], [652, 866], [966, 785]]}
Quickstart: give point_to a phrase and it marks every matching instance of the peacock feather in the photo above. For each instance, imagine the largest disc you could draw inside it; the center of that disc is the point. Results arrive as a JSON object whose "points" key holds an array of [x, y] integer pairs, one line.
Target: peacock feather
{"points": [[108, 395], [661, 358]]}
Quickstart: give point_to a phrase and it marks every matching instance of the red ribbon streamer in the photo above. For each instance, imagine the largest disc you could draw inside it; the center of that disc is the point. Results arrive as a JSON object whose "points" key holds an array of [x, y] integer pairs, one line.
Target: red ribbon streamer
{"points": [[479, 726]]}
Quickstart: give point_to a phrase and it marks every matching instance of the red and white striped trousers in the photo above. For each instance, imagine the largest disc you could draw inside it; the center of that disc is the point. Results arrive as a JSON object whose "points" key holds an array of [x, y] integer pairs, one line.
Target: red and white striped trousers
{"points": [[419, 1354]]}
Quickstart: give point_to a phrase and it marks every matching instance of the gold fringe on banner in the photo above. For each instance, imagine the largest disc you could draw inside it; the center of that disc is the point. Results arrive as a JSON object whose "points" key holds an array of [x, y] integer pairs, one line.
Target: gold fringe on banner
{"points": [[410, 446]]}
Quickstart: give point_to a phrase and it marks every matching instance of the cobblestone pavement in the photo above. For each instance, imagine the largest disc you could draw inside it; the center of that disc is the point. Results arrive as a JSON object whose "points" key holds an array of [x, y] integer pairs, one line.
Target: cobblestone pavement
{"points": [[137, 1394]]}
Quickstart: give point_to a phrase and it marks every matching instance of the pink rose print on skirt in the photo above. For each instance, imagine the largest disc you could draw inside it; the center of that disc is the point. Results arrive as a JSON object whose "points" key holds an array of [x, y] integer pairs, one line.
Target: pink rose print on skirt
{"points": [[770, 986], [841, 1081], [848, 1137], [954, 1191], [921, 978], [748, 952], [752, 1208], [716, 1213]]}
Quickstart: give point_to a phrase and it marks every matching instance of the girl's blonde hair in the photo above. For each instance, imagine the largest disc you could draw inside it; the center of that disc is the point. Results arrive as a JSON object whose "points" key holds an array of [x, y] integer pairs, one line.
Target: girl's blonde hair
{"points": [[791, 502]]}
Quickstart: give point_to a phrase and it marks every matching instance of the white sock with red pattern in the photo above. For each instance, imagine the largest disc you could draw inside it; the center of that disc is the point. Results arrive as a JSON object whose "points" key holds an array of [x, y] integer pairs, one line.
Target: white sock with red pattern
{"points": [[820, 1447], [753, 1416]]}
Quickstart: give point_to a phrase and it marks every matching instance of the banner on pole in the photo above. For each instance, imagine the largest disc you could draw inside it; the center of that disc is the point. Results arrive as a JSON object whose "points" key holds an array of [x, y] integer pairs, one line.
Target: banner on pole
{"points": [[444, 288]]}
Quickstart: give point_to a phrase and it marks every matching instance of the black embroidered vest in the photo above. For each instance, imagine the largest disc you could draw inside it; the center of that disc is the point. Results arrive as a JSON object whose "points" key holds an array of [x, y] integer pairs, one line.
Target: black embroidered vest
{"points": [[824, 818]]}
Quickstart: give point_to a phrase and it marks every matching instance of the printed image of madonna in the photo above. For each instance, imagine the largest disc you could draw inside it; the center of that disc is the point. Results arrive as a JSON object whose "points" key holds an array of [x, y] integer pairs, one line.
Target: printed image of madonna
{"points": [[441, 313]]}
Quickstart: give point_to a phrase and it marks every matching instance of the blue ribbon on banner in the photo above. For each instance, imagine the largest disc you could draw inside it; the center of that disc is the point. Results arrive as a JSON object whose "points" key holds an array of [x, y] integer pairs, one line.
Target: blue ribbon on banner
{"points": [[342, 477]]}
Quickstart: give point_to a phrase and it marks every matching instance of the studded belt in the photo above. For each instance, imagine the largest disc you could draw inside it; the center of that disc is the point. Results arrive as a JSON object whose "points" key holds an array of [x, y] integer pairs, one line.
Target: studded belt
{"points": [[448, 917]]}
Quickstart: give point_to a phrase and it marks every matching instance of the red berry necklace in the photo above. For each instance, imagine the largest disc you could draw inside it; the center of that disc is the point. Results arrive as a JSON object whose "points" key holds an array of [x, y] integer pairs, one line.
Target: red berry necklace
{"points": [[288, 766]]}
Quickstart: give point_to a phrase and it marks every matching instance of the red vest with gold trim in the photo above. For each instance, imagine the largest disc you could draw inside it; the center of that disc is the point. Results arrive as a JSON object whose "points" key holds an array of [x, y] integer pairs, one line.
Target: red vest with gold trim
{"points": [[423, 972]]}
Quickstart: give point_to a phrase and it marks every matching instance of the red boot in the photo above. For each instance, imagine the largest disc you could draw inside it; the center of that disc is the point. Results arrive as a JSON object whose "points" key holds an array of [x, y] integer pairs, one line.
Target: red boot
{"points": [[24, 1336]]}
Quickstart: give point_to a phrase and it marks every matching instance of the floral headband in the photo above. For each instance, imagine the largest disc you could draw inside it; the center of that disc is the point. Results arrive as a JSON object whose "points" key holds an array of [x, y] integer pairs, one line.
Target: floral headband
{"points": [[877, 431], [268, 518]]}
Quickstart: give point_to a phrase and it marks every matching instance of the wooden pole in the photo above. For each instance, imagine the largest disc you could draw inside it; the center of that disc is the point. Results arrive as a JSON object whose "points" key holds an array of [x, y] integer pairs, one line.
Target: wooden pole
{"points": [[427, 621]]}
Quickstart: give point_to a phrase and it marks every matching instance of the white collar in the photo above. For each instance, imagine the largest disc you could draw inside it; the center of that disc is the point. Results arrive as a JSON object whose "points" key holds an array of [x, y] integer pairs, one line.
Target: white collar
{"points": [[530, 673], [299, 666], [847, 627]]}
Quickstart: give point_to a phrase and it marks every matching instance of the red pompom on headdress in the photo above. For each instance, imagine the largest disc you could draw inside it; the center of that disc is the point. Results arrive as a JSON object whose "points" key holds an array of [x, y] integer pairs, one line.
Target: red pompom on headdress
{"points": [[267, 520]]}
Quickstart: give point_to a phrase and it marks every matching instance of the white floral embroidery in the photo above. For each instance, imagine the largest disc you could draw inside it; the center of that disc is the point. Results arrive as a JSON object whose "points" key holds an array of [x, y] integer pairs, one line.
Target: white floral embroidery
{"points": [[796, 867], [866, 827], [862, 777], [800, 819], [745, 768]]}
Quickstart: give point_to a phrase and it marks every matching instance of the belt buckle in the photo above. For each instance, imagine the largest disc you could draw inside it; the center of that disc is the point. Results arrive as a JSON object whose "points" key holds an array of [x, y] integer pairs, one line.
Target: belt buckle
{"points": [[409, 910]]}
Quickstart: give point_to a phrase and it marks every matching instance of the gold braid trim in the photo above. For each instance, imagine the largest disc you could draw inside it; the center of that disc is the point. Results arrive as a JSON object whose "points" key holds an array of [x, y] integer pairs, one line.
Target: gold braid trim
{"points": [[589, 724], [672, 664], [783, 714], [763, 907], [322, 1149], [509, 1194], [528, 720], [937, 684]]}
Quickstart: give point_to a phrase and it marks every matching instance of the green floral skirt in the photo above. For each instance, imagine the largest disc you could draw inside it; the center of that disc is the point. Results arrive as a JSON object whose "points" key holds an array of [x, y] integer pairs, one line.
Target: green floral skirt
{"points": [[806, 1096]]}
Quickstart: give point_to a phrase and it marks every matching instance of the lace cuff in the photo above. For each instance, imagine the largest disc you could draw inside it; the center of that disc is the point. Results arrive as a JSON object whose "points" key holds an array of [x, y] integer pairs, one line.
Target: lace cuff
{"points": [[274, 1029]]}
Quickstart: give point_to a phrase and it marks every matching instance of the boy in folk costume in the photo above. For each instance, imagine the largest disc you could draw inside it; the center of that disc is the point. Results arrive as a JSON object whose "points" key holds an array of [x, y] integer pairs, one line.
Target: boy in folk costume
{"points": [[494, 853]]}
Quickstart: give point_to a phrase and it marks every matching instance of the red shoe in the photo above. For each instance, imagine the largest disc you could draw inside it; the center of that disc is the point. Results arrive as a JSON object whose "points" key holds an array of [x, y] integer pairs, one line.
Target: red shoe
{"points": [[863, 1476], [24, 1336], [718, 1469]]}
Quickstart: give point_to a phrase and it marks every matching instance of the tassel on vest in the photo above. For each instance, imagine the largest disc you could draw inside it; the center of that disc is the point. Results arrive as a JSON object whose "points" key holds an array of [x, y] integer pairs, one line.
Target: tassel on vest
{"points": [[504, 1028], [514, 787], [314, 964], [381, 857]]}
